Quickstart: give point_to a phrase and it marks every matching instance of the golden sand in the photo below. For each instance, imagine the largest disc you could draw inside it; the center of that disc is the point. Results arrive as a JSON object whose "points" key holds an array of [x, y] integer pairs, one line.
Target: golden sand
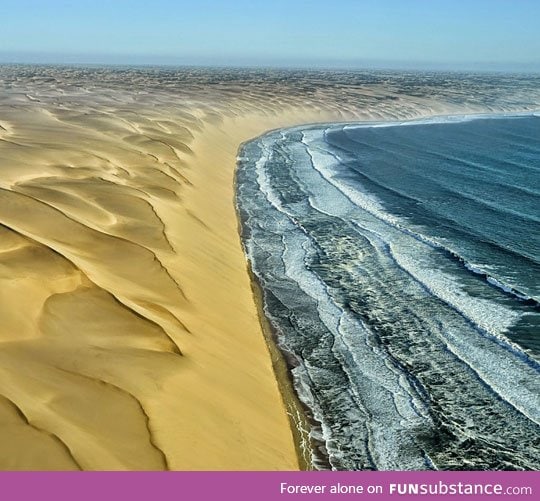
{"points": [[130, 338], [129, 334]]}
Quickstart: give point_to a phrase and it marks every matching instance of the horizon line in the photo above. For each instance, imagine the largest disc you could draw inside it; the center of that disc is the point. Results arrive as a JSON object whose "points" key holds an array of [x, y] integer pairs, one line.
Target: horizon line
{"points": [[276, 62]]}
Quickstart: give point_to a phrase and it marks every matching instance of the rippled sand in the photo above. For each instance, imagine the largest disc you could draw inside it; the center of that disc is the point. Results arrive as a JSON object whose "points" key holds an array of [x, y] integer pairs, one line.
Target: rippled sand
{"points": [[129, 337]]}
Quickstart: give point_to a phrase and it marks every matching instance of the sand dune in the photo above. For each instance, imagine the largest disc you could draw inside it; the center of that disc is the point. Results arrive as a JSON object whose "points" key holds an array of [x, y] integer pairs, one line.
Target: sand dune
{"points": [[129, 336]]}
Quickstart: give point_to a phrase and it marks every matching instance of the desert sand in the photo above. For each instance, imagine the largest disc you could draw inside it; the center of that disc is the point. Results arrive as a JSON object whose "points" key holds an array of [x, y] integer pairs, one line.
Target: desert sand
{"points": [[130, 338]]}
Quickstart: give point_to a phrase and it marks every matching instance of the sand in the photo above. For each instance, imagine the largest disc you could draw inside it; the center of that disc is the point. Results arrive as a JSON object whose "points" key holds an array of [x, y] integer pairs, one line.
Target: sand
{"points": [[130, 338]]}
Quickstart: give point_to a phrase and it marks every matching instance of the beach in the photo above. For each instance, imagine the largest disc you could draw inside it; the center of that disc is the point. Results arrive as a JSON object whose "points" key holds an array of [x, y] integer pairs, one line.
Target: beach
{"points": [[130, 336]]}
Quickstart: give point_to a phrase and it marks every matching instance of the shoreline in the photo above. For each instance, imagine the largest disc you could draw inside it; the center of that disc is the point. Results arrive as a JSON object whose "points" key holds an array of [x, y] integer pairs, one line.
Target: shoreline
{"points": [[258, 191], [301, 421], [250, 346], [282, 367], [297, 412], [120, 237]]}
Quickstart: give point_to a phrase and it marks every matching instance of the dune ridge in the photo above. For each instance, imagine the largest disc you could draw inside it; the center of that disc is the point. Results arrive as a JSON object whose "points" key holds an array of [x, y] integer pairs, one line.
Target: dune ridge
{"points": [[129, 335]]}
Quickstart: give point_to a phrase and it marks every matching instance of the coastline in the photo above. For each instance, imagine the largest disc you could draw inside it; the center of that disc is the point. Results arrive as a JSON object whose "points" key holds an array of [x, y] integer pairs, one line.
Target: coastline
{"points": [[267, 210], [275, 416], [119, 235], [297, 413]]}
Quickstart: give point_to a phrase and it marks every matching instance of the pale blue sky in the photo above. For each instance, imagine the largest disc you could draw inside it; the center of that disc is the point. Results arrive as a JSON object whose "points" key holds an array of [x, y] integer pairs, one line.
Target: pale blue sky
{"points": [[499, 34]]}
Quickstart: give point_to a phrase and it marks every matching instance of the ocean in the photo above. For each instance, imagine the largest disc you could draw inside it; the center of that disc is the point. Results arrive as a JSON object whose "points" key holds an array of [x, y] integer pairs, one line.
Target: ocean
{"points": [[400, 270]]}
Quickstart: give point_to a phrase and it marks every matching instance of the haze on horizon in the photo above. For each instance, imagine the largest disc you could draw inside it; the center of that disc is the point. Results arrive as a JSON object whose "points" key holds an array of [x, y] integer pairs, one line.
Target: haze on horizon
{"points": [[436, 34]]}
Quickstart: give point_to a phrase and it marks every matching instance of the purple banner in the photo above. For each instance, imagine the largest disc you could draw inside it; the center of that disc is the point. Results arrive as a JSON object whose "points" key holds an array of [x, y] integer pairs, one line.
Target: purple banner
{"points": [[263, 486]]}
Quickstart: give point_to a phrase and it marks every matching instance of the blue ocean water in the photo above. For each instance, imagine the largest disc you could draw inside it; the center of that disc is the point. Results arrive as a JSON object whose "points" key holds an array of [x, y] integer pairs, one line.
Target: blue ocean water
{"points": [[400, 268]]}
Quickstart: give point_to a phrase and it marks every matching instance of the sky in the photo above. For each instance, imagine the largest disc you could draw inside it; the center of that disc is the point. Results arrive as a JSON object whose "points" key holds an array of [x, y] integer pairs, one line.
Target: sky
{"points": [[432, 34]]}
